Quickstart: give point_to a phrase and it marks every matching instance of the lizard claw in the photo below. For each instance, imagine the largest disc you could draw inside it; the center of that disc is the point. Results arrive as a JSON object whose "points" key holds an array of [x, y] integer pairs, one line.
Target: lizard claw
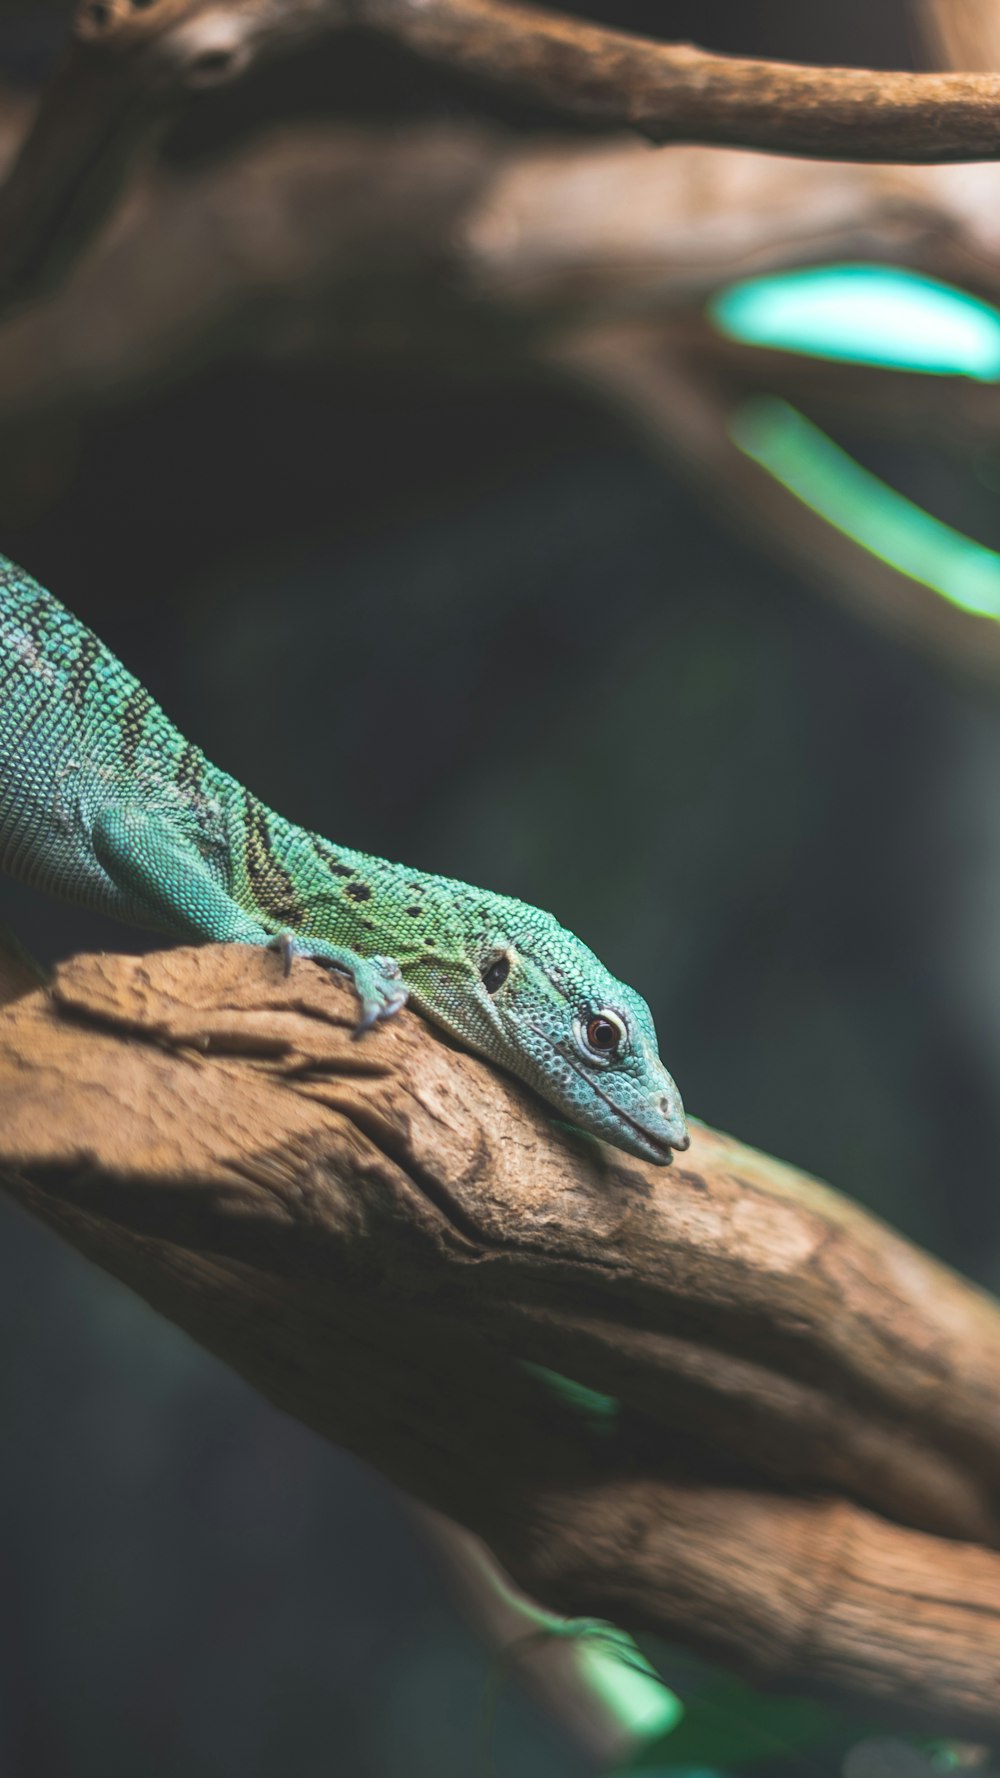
{"points": [[284, 944], [373, 1012], [378, 980]]}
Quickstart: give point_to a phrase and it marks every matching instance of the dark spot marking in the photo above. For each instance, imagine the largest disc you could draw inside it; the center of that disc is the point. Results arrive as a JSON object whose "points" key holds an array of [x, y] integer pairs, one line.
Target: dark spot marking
{"points": [[358, 892], [414, 913], [369, 925], [429, 944], [328, 856]]}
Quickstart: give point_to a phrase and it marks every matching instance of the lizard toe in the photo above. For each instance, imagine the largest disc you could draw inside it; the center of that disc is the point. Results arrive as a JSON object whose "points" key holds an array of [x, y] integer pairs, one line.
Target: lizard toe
{"points": [[387, 967], [381, 998], [378, 981], [284, 944]]}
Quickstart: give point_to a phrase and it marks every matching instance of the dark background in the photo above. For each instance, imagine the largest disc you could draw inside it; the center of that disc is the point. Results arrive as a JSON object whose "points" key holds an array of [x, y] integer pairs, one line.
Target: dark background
{"points": [[481, 630]]}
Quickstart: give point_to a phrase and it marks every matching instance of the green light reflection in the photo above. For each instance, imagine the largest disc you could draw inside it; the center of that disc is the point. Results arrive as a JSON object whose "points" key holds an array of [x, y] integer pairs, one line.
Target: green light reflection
{"points": [[808, 463], [865, 314], [627, 1685], [600, 1409], [609, 1665]]}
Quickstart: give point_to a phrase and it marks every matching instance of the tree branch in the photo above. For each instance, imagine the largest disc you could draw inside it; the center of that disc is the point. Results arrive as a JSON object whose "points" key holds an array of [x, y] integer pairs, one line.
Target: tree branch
{"points": [[380, 1235], [131, 67], [675, 92]]}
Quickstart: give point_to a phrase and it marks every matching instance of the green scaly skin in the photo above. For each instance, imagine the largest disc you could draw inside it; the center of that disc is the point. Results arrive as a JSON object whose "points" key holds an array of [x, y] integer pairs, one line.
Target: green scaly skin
{"points": [[103, 802]]}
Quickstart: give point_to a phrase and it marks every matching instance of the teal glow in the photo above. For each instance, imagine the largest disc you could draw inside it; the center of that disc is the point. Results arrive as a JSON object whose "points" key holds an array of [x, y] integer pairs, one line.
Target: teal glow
{"points": [[600, 1409], [607, 1661], [830, 483], [628, 1687], [865, 314]]}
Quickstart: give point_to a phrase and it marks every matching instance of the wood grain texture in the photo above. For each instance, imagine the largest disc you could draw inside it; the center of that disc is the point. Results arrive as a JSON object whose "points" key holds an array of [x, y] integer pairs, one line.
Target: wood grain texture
{"points": [[802, 1473]]}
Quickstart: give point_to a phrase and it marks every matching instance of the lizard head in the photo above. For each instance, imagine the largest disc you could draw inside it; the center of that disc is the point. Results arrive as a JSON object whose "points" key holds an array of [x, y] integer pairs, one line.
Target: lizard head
{"points": [[523, 991]]}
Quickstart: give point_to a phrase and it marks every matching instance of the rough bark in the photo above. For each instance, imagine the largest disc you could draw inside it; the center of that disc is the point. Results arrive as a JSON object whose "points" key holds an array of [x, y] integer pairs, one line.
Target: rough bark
{"points": [[802, 1471]]}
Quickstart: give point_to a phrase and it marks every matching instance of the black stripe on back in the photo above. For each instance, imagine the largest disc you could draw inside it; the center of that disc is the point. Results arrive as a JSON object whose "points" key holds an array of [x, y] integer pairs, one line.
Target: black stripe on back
{"points": [[273, 886], [189, 770], [132, 723], [88, 652], [328, 857]]}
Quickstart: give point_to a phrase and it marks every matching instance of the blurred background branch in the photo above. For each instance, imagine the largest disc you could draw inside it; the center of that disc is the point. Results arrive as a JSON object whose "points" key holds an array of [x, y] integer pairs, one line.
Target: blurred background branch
{"points": [[132, 67], [461, 251], [962, 33]]}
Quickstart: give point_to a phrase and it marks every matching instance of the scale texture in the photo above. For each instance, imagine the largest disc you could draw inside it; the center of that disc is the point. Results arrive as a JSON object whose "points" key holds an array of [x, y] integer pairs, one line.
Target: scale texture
{"points": [[103, 802]]}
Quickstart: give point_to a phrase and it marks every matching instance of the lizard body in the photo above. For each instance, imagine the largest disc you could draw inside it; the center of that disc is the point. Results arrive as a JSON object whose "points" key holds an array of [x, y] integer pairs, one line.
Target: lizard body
{"points": [[103, 801]]}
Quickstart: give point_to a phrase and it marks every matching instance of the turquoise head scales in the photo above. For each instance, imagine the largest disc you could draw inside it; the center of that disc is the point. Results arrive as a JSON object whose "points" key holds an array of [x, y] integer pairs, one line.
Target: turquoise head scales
{"points": [[511, 983]]}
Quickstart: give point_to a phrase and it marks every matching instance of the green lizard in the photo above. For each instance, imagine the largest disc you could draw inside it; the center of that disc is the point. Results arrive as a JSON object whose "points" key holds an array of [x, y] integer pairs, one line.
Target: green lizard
{"points": [[103, 802]]}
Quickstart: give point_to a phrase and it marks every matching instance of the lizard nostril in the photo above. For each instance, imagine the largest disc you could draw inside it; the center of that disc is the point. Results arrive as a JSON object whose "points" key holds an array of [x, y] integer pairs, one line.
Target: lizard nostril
{"points": [[669, 1108]]}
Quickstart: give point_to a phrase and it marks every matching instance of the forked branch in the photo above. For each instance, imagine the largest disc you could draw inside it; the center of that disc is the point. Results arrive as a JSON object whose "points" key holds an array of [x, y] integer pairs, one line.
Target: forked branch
{"points": [[132, 66]]}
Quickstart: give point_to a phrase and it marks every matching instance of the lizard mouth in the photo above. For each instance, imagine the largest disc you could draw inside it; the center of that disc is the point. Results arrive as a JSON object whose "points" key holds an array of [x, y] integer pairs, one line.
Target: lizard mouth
{"points": [[644, 1141], [657, 1148]]}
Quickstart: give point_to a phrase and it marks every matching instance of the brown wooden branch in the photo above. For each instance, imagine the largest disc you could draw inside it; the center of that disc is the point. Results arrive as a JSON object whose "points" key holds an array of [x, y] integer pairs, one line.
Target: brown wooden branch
{"points": [[675, 92], [132, 66], [803, 1472]]}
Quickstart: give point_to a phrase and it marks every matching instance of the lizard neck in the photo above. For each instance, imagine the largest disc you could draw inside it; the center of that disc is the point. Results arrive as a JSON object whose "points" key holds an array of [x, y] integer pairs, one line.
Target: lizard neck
{"points": [[302, 882]]}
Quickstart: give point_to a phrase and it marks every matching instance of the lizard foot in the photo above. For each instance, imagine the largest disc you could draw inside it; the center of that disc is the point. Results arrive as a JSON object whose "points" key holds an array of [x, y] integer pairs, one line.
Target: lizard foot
{"points": [[378, 981]]}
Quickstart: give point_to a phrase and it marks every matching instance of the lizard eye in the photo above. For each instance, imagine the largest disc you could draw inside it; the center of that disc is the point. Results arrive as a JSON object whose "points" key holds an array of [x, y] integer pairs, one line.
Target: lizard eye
{"points": [[604, 1034], [495, 973]]}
